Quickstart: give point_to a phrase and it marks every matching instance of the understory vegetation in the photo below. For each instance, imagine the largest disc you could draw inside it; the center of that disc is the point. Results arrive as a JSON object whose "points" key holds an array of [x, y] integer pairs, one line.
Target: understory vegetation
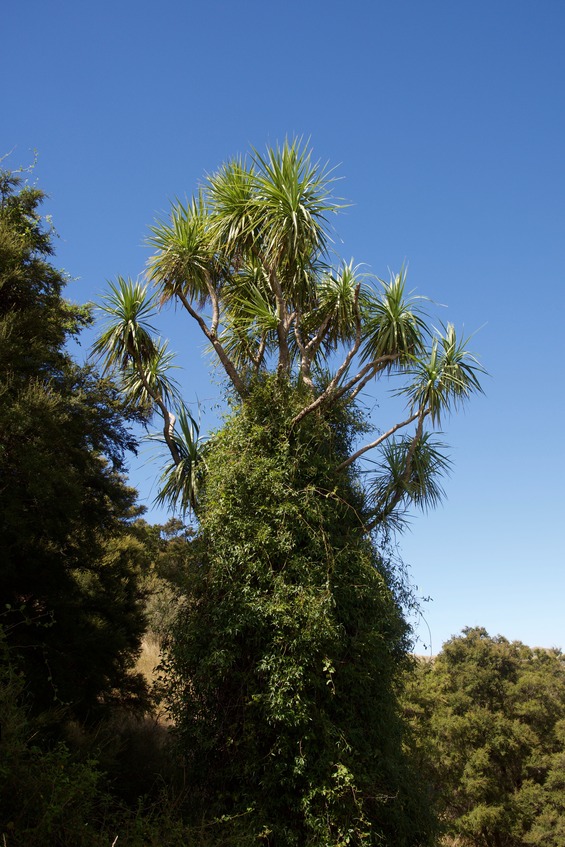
{"points": [[243, 674]]}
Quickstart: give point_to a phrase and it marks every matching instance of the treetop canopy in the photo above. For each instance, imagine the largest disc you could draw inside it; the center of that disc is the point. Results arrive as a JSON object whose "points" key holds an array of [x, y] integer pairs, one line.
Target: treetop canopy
{"points": [[250, 259]]}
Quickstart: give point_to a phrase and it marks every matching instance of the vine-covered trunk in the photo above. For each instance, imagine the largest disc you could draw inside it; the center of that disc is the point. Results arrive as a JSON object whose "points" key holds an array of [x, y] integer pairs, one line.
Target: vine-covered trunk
{"points": [[283, 664]]}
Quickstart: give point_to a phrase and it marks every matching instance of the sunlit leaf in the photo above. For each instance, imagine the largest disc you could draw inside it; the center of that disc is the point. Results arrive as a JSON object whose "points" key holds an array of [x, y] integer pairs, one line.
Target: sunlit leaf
{"points": [[180, 482], [444, 379], [393, 324], [128, 334], [408, 473], [185, 262]]}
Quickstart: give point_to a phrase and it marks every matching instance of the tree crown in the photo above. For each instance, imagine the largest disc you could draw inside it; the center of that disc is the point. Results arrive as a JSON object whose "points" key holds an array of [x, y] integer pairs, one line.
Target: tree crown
{"points": [[249, 258]]}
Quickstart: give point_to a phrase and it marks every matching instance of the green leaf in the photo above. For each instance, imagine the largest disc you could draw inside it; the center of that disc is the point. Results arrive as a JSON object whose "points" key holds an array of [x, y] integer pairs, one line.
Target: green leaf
{"points": [[445, 379], [128, 334], [392, 323]]}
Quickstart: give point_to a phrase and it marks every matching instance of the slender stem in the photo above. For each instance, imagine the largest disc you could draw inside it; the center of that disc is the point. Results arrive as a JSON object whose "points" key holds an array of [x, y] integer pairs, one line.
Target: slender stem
{"points": [[260, 353], [400, 490], [377, 441], [298, 333], [315, 342], [332, 393], [215, 307], [212, 337], [412, 449], [168, 417], [329, 391], [308, 350], [304, 361], [371, 374]]}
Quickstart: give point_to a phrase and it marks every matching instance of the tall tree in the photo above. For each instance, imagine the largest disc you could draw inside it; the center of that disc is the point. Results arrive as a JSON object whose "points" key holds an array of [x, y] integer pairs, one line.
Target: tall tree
{"points": [[71, 608], [287, 654]]}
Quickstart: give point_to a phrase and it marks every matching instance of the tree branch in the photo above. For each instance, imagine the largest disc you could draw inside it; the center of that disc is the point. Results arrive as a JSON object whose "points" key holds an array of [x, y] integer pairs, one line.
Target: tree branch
{"points": [[379, 440], [283, 323], [329, 390], [399, 494], [304, 368], [309, 349], [417, 436], [212, 337], [168, 417], [260, 353], [215, 307]]}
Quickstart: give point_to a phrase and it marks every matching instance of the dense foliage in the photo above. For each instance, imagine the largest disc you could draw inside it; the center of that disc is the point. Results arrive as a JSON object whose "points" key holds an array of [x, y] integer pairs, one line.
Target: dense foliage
{"points": [[490, 720], [70, 604], [284, 661]]}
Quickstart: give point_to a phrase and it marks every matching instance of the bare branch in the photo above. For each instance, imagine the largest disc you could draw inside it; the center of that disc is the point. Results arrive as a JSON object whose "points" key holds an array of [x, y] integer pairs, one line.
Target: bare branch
{"points": [[260, 353], [304, 359], [412, 450], [377, 441], [283, 322], [168, 417], [215, 307], [309, 349], [371, 374], [332, 393], [329, 390], [212, 337], [314, 343]]}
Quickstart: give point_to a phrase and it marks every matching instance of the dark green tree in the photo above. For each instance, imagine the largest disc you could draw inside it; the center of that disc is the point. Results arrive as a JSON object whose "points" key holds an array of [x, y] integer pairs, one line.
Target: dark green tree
{"points": [[69, 599], [489, 717], [284, 662]]}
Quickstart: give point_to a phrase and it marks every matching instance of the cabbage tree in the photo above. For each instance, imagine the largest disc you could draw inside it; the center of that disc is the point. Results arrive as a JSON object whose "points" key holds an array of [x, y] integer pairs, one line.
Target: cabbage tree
{"points": [[283, 663], [250, 260]]}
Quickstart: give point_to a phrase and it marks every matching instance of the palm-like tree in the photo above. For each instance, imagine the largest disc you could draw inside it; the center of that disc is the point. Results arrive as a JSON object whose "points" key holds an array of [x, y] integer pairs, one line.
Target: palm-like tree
{"points": [[249, 259], [128, 335], [127, 345], [180, 481]]}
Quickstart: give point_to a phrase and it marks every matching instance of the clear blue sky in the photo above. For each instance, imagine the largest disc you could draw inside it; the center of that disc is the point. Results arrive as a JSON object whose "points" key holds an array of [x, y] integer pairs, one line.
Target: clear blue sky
{"points": [[447, 121]]}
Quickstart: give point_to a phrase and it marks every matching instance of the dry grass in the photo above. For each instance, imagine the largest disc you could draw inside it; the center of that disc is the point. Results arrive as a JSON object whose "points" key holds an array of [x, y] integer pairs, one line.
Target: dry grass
{"points": [[147, 664], [149, 658]]}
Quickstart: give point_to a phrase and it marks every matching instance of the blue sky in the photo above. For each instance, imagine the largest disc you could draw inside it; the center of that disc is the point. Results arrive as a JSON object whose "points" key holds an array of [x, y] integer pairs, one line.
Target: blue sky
{"points": [[447, 123]]}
